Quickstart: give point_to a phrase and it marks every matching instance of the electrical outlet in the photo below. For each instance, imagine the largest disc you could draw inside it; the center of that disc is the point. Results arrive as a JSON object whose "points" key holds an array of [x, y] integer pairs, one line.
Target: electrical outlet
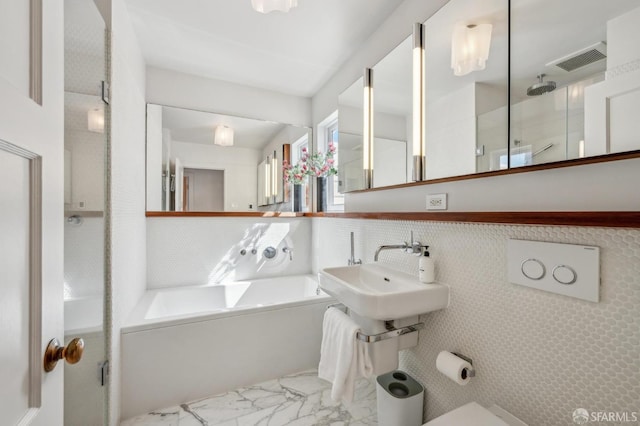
{"points": [[437, 201]]}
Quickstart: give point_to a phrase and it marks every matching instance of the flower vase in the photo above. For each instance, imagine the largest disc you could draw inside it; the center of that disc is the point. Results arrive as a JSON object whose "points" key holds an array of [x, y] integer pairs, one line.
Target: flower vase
{"points": [[321, 194], [297, 197]]}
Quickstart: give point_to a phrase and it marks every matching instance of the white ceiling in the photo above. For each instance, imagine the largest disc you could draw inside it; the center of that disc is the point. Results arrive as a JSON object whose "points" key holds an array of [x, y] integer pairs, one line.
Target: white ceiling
{"points": [[297, 52], [294, 53], [192, 126]]}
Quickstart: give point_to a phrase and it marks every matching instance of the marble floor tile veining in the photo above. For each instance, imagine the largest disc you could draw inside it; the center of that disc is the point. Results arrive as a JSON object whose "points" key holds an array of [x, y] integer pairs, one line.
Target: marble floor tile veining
{"points": [[299, 399]]}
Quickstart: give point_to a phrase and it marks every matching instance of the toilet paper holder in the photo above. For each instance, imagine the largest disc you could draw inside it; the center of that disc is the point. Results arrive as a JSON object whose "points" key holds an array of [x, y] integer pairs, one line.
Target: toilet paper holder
{"points": [[470, 372]]}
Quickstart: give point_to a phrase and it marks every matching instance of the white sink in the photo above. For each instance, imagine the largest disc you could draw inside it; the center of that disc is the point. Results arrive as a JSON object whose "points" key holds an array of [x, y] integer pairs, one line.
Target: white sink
{"points": [[382, 293]]}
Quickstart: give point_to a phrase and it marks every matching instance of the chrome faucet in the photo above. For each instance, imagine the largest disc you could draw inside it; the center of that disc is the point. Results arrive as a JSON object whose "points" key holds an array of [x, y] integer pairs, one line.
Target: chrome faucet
{"points": [[289, 250], [414, 247], [353, 260]]}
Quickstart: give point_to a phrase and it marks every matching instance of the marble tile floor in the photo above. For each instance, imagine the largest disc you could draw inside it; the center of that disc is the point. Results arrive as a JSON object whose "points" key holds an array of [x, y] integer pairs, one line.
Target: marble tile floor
{"points": [[300, 399]]}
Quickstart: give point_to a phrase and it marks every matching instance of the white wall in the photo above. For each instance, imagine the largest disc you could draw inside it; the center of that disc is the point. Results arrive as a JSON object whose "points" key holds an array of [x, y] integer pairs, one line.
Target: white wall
{"points": [[606, 186], [127, 176], [177, 89], [623, 33], [538, 355], [84, 258], [611, 123], [451, 134], [198, 251], [206, 190], [154, 157], [87, 169], [240, 166]]}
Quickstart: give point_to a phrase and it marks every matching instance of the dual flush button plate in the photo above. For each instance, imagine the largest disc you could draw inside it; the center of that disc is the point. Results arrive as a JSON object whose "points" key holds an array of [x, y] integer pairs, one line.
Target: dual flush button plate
{"points": [[567, 269]]}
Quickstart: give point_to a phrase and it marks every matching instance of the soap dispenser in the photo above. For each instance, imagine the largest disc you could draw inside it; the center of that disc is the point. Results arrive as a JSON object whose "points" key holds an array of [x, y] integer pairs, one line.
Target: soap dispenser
{"points": [[426, 268]]}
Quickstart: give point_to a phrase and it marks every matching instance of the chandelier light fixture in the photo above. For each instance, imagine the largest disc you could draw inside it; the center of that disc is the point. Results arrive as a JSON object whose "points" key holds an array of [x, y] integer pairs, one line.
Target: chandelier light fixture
{"points": [[470, 48], [223, 136], [266, 6]]}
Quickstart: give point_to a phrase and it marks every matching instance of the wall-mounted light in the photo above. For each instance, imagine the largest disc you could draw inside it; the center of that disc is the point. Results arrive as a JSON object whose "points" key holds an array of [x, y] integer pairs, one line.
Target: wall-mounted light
{"points": [[266, 6], [267, 179], [223, 136], [367, 130], [470, 48], [419, 103], [95, 120]]}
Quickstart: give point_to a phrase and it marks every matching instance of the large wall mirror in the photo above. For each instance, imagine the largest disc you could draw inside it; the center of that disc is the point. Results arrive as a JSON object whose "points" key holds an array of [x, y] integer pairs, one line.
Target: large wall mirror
{"points": [[466, 86], [206, 162], [392, 116], [574, 90], [350, 142]]}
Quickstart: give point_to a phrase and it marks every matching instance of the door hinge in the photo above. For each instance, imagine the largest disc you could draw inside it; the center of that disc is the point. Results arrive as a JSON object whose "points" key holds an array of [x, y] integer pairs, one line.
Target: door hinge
{"points": [[103, 372], [106, 92]]}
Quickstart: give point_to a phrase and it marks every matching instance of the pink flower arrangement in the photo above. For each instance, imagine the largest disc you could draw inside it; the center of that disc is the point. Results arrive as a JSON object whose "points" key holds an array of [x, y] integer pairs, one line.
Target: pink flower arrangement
{"points": [[318, 165], [295, 174]]}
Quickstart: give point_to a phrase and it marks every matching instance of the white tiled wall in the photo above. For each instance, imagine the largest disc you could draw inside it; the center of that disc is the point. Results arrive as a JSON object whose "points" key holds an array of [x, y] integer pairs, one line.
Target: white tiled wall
{"points": [[538, 355], [127, 246], [196, 251]]}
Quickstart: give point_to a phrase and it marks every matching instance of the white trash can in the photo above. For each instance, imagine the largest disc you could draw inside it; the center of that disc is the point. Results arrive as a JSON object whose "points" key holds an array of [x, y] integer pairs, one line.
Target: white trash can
{"points": [[400, 400]]}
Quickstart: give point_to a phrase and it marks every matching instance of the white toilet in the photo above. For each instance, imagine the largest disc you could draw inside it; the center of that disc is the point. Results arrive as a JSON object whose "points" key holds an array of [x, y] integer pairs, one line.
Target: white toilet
{"points": [[474, 414]]}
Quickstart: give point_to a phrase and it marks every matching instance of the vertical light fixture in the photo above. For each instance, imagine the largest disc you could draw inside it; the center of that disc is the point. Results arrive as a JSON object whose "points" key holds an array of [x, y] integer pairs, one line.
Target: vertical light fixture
{"points": [[267, 180], [419, 103], [266, 6], [470, 48], [223, 136], [95, 120], [274, 177], [367, 130]]}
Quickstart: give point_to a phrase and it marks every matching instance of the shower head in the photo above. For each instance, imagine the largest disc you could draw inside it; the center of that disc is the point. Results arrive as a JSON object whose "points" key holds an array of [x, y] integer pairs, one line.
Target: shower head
{"points": [[540, 88]]}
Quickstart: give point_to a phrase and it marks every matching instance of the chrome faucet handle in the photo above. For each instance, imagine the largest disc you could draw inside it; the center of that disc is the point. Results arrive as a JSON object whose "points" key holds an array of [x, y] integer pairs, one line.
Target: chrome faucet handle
{"points": [[415, 247], [288, 250], [269, 252]]}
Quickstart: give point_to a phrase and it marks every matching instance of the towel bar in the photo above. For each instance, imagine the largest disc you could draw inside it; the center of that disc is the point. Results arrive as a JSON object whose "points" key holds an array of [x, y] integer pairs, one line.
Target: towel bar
{"points": [[390, 334]]}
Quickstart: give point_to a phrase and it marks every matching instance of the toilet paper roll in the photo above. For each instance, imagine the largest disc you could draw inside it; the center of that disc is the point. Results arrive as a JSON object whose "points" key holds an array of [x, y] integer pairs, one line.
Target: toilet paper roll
{"points": [[453, 367]]}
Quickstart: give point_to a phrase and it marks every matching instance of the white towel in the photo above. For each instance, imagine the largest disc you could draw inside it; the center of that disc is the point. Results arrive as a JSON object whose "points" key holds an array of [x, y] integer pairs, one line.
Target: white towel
{"points": [[342, 357]]}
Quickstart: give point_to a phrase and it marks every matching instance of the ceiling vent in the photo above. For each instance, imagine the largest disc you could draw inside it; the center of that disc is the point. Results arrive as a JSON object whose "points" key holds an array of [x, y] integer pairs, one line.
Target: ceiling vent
{"points": [[581, 58]]}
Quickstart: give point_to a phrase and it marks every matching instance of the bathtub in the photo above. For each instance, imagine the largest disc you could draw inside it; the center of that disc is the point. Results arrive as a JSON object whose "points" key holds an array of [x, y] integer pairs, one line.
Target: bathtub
{"points": [[83, 315], [181, 344]]}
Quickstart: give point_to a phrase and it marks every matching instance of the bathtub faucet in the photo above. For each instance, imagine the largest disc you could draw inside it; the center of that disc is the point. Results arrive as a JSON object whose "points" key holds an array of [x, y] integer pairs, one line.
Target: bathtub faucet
{"points": [[289, 250]]}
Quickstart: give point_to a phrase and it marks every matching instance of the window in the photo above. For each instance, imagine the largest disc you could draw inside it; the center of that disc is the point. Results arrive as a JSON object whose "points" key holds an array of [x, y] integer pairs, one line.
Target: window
{"points": [[328, 132], [296, 154]]}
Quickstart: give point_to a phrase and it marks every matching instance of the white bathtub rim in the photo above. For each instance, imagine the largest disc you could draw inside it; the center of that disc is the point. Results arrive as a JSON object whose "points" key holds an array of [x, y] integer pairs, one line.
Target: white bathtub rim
{"points": [[85, 324], [137, 323]]}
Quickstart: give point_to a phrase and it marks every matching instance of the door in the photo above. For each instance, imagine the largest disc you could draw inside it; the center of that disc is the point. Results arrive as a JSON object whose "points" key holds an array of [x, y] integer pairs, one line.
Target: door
{"points": [[31, 209]]}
